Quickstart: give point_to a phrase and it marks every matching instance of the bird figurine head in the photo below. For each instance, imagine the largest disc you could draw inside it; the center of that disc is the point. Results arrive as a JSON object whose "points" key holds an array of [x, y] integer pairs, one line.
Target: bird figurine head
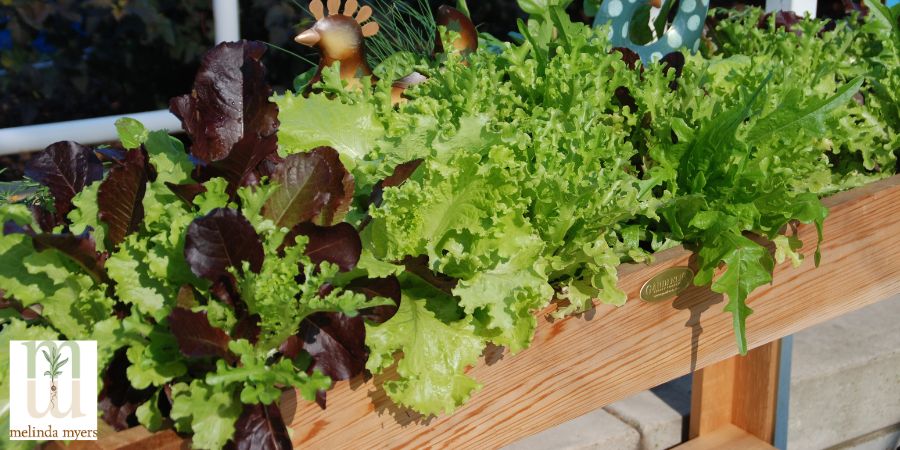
{"points": [[338, 35]]}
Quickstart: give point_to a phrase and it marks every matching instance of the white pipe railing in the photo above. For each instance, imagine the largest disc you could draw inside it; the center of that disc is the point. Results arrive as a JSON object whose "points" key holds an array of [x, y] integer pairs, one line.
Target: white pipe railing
{"points": [[84, 131], [103, 129], [801, 7], [226, 17]]}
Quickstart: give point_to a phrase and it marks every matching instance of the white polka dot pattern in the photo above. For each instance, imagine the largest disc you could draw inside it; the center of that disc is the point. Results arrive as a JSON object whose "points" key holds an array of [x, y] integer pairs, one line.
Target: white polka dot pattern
{"points": [[615, 8], [682, 33], [693, 23], [673, 38]]}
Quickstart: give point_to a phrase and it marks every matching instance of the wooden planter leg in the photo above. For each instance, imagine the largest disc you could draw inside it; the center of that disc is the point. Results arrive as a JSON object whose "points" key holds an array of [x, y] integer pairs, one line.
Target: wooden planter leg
{"points": [[734, 402]]}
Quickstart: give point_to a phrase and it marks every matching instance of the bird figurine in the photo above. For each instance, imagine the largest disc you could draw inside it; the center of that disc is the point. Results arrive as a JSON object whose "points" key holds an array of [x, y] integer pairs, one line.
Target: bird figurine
{"points": [[454, 20], [339, 37]]}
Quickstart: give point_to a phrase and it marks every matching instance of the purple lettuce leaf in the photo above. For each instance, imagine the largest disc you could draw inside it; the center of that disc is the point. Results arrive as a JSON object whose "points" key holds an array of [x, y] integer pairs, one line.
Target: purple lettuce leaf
{"points": [[337, 344], [15, 305], [377, 287], [245, 165], [196, 337], [339, 244], [313, 186], [121, 195], [229, 102], [223, 238], [261, 427], [186, 192], [118, 400], [65, 168], [401, 173], [45, 219]]}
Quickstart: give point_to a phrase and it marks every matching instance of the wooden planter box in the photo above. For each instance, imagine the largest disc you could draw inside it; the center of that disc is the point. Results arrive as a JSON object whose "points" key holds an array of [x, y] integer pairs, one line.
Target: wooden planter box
{"points": [[582, 363]]}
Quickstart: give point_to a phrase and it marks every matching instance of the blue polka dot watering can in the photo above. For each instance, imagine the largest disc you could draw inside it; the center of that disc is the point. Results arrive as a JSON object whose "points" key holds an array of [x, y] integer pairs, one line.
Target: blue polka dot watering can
{"points": [[684, 32]]}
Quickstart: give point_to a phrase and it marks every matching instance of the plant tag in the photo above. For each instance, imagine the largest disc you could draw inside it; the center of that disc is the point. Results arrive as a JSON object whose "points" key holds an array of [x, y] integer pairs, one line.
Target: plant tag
{"points": [[667, 284]]}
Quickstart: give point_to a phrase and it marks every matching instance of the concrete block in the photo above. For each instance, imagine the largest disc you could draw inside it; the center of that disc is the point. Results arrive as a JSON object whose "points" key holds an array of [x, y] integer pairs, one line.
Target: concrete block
{"points": [[886, 439], [845, 381], [676, 394], [597, 430], [659, 425]]}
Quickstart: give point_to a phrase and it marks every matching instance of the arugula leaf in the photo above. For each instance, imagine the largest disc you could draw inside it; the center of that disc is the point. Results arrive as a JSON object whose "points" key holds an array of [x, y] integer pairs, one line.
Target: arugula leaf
{"points": [[810, 119], [748, 266], [706, 157]]}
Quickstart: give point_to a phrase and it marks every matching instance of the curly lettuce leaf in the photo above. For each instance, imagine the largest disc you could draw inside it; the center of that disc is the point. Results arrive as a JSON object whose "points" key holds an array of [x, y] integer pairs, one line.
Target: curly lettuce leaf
{"points": [[262, 382], [430, 373], [210, 412], [317, 121], [71, 299]]}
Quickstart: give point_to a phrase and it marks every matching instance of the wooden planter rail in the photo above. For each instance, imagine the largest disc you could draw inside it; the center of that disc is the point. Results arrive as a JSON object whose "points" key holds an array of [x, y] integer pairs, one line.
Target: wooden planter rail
{"points": [[582, 363]]}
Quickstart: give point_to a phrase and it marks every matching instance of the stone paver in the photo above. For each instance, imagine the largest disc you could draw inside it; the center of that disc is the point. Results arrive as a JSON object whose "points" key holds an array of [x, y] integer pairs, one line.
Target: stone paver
{"points": [[659, 425], [845, 380], [597, 430], [888, 439]]}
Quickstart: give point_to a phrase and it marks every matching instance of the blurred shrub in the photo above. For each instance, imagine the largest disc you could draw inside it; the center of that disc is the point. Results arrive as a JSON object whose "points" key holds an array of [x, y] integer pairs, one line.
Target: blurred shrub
{"points": [[276, 22], [69, 59]]}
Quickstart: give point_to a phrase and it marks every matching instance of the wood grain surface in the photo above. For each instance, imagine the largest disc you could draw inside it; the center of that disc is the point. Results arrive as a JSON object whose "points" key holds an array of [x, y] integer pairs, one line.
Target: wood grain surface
{"points": [[741, 390], [726, 437], [582, 363]]}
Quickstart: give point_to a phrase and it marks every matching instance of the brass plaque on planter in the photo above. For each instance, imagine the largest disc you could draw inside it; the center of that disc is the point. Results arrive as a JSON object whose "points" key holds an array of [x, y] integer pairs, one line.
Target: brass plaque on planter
{"points": [[667, 284]]}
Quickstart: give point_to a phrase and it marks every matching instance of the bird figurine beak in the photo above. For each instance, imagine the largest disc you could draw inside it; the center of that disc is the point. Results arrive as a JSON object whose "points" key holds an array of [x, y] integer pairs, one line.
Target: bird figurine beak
{"points": [[308, 38]]}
